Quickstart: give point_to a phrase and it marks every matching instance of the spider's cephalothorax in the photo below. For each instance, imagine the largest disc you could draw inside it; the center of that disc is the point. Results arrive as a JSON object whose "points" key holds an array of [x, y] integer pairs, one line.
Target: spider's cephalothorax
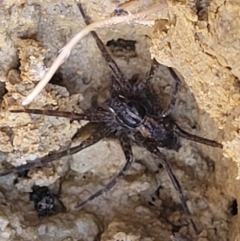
{"points": [[132, 114]]}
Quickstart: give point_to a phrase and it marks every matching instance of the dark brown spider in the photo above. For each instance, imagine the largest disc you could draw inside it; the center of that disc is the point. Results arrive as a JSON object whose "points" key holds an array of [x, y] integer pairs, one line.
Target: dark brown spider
{"points": [[45, 202], [131, 114]]}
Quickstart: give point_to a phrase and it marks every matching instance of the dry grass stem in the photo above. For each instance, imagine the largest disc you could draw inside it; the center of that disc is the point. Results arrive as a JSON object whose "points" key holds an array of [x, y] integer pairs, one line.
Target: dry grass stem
{"points": [[66, 50]]}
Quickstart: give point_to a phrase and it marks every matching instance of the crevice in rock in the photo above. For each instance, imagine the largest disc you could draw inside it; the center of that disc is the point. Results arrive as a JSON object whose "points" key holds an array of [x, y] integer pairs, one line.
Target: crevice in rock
{"points": [[234, 207]]}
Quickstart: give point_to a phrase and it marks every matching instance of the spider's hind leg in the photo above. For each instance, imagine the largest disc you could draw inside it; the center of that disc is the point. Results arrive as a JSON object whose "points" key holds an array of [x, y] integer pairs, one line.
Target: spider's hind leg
{"points": [[125, 143], [154, 149], [195, 138]]}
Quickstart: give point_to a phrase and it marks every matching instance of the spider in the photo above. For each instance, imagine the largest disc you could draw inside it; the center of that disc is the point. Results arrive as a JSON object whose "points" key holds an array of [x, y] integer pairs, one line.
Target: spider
{"points": [[45, 202], [131, 114]]}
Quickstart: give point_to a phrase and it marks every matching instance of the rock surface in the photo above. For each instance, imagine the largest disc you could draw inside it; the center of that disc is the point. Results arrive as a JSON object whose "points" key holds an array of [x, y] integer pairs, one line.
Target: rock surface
{"points": [[200, 40]]}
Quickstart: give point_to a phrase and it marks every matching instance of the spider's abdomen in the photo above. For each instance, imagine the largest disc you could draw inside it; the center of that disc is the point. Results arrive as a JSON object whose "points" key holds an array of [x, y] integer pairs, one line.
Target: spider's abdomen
{"points": [[129, 113], [160, 132]]}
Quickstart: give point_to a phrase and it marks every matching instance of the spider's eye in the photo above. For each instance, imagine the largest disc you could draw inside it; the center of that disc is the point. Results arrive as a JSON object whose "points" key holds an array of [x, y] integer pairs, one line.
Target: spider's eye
{"points": [[133, 114]]}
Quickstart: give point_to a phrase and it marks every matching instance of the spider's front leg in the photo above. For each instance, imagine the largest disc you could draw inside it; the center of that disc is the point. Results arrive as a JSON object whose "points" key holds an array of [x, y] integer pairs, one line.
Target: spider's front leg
{"points": [[144, 84], [122, 81], [125, 143], [150, 75], [153, 69], [178, 82], [92, 117], [54, 156], [152, 147]]}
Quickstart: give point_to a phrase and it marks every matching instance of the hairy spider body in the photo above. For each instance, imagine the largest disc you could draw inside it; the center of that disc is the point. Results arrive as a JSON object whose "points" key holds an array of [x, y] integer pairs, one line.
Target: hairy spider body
{"points": [[45, 202], [134, 117], [132, 114]]}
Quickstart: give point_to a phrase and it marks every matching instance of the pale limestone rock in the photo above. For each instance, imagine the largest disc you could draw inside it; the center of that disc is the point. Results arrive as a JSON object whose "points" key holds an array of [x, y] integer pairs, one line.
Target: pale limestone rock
{"points": [[3, 222], [205, 55], [23, 139]]}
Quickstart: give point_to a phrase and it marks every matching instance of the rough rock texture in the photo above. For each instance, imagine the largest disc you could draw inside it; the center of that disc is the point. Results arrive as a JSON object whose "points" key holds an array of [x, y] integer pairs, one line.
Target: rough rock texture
{"points": [[198, 38], [205, 52], [211, 46]]}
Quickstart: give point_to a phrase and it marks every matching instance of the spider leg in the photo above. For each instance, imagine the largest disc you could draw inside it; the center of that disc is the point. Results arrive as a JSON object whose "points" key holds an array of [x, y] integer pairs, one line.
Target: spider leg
{"points": [[42, 161], [151, 73], [195, 138], [125, 143], [178, 82], [93, 117], [117, 73], [150, 146], [143, 85]]}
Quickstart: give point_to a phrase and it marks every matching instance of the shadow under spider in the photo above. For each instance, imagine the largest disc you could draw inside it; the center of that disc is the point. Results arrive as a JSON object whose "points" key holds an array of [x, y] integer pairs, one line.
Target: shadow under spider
{"points": [[132, 113]]}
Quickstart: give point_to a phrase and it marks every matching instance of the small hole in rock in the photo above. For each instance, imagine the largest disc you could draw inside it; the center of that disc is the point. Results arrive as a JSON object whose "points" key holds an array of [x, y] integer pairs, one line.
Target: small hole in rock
{"points": [[122, 48], [234, 207], [57, 79], [175, 228]]}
